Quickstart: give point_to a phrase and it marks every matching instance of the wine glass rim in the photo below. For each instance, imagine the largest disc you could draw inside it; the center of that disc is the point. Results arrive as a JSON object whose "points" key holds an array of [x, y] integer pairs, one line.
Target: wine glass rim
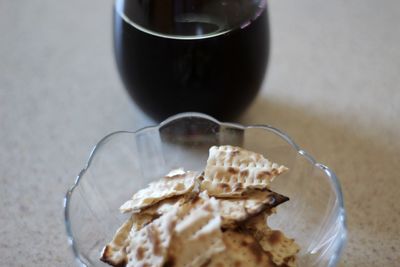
{"points": [[118, 9]]}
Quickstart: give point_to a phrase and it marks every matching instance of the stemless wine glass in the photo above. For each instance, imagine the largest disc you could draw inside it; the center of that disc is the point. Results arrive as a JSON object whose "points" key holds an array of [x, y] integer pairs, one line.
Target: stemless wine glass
{"points": [[191, 55]]}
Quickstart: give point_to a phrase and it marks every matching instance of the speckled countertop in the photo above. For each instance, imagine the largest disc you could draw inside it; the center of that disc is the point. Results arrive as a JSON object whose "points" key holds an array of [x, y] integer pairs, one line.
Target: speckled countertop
{"points": [[333, 85]]}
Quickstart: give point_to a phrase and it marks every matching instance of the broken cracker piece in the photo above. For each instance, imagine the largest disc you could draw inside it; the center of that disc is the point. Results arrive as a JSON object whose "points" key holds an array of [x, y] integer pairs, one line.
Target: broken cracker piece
{"points": [[163, 206], [114, 253], [233, 211], [197, 235], [242, 250], [230, 171], [166, 187], [149, 245], [282, 249]]}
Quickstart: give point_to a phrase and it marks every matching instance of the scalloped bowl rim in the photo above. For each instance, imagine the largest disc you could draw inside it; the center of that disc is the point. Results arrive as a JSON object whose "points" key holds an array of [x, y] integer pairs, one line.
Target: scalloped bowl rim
{"points": [[329, 173]]}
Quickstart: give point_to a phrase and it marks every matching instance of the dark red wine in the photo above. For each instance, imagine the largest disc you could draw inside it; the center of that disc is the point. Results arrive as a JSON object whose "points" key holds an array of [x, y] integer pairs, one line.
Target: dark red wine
{"points": [[206, 56]]}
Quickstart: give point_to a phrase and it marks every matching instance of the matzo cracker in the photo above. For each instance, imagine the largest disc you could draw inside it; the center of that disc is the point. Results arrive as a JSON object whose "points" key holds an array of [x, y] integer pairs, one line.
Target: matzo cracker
{"points": [[242, 250], [236, 210], [198, 234], [166, 187], [149, 245], [230, 171], [215, 219]]}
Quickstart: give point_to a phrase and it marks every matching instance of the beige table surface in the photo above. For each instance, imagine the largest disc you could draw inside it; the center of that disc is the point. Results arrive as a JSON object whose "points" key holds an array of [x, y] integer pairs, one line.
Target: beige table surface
{"points": [[333, 85]]}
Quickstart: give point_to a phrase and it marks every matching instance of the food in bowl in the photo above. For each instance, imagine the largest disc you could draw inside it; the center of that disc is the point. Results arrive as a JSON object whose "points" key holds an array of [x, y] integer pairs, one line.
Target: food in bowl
{"points": [[214, 218]]}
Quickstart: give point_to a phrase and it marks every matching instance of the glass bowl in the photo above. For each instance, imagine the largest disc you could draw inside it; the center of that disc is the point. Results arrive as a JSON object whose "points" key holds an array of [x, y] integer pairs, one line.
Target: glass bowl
{"points": [[123, 162]]}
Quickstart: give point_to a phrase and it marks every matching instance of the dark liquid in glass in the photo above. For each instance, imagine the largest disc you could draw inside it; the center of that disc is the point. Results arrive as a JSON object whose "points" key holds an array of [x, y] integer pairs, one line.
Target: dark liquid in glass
{"points": [[172, 63]]}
